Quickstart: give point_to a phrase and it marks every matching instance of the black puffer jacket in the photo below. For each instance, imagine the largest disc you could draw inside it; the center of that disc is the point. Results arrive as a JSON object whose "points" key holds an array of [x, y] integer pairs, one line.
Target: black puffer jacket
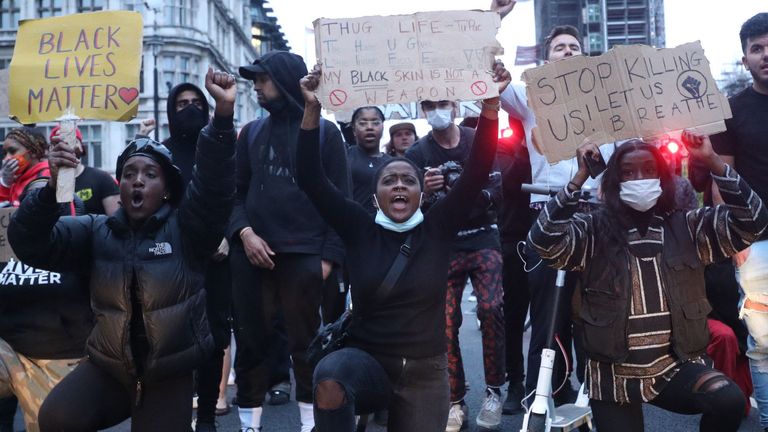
{"points": [[165, 258]]}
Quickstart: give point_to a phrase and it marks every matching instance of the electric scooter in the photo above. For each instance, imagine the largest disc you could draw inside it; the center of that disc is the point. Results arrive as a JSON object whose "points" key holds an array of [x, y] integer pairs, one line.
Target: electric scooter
{"points": [[542, 415]]}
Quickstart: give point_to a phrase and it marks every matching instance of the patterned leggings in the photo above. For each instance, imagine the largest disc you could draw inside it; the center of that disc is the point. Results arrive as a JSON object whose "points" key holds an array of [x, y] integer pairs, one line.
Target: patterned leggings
{"points": [[483, 267]]}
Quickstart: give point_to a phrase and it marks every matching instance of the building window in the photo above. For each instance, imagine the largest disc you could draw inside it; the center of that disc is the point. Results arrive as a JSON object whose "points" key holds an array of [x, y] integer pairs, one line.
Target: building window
{"points": [[9, 14], [92, 140], [131, 130], [5, 63], [594, 14], [595, 43], [179, 69], [134, 5], [178, 12], [49, 8], [90, 5]]}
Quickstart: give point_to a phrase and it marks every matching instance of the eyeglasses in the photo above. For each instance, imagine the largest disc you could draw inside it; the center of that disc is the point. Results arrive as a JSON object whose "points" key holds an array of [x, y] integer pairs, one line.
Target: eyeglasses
{"points": [[183, 103], [369, 123]]}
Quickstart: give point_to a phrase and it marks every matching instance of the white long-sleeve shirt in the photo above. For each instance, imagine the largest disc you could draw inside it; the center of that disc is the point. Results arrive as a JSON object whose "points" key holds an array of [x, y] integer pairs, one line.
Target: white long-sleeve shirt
{"points": [[514, 101]]}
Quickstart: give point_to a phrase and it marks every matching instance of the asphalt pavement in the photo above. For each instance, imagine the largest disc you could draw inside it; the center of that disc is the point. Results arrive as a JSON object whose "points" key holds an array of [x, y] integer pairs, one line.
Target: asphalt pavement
{"points": [[285, 418]]}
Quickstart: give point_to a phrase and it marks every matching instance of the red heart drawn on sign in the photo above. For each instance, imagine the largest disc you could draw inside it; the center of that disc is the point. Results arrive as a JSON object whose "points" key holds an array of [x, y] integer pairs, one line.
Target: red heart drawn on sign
{"points": [[128, 95]]}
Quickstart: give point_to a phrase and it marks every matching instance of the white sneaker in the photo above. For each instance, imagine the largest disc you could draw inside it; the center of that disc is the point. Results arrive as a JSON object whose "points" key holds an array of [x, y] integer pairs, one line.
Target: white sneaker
{"points": [[489, 416], [456, 418]]}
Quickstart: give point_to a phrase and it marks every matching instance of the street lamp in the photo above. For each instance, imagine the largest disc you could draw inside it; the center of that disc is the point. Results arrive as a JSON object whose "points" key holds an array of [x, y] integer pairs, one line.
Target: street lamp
{"points": [[157, 45]]}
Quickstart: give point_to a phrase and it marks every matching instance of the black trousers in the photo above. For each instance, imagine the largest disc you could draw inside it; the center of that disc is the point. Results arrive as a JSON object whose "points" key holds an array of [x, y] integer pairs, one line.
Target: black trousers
{"points": [[516, 300], [722, 405], [90, 399], [295, 287], [218, 286], [541, 287], [7, 412], [415, 391]]}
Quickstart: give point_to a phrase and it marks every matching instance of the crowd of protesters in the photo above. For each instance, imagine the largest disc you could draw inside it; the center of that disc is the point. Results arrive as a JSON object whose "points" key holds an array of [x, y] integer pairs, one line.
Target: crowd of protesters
{"points": [[125, 299]]}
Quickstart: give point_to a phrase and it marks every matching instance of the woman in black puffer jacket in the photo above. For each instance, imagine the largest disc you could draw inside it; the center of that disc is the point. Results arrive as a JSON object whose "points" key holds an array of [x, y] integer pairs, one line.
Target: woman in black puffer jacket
{"points": [[146, 266]]}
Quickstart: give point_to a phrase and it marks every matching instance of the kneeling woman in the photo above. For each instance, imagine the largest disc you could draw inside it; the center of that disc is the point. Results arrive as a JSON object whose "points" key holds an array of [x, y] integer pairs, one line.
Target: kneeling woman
{"points": [[146, 268], [395, 357], [641, 305]]}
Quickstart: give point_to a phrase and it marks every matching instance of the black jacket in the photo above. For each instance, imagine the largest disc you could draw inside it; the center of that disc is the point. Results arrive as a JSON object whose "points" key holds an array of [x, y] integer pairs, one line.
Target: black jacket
{"points": [[165, 259], [45, 315], [268, 199]]}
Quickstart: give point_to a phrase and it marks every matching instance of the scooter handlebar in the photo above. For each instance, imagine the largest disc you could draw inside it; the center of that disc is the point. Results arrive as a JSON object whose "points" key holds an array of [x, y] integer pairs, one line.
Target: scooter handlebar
{"points": [[544, 189]]}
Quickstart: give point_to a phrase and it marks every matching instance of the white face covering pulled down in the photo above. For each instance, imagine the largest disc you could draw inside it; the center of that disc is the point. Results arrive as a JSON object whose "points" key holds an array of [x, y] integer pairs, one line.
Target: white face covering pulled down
{"points": [[641, 195], [385, 222], [440, 118]]}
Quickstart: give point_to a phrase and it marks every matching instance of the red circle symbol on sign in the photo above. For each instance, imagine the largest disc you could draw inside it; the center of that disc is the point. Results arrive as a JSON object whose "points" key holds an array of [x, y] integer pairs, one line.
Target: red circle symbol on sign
{"points": [[337, 97], [479, 88]]}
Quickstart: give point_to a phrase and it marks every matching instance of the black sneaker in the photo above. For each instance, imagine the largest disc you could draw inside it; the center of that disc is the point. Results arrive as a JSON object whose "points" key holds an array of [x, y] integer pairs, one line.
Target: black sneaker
{"points": [[280, 393], [381, 417], [513, 404], [205, 427]]}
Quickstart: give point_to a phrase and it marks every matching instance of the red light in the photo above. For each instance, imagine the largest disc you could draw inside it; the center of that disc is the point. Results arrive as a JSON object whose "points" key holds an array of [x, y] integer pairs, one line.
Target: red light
{"points": [[506, 133], [673, 147]]}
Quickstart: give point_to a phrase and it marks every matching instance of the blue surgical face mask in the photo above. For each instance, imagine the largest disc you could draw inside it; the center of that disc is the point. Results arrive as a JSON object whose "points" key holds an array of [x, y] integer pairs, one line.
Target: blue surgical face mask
{"points": [[385, 222]]}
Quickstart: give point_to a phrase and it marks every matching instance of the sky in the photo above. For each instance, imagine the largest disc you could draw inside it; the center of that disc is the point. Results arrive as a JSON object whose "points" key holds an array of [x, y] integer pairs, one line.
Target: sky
{"points": [[715, 23]]}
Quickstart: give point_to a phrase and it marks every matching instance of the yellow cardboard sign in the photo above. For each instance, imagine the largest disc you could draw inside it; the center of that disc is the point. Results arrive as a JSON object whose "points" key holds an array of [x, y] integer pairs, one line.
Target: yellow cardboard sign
{"points": [[87, 62]]}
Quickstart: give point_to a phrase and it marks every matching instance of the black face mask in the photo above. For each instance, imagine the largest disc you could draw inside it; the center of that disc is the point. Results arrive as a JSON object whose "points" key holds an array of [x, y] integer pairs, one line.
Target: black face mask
{"points": [[188, 122]]}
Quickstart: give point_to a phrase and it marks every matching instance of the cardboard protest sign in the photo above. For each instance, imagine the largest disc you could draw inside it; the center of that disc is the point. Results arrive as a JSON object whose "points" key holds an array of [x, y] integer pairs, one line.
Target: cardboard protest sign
{"points": [[6, 253], [87, 62], [631, 91], [406, 58]]}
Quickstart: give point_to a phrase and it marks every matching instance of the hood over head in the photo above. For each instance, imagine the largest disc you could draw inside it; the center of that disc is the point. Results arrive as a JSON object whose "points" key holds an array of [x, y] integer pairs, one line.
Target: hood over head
{"points": [[285, 69], [186, 124]]}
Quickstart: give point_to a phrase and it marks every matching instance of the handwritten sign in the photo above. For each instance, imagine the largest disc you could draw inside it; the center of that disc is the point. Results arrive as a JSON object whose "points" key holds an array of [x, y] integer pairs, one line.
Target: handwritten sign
{"points": [[406, 58], [88, 62], [6, 252], [631, 91]]}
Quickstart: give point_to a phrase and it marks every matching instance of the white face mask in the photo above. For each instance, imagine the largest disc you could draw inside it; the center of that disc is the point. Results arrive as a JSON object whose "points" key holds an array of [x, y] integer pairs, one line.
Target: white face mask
{"points": [[641, 195], [440, 119], [385, 222]]}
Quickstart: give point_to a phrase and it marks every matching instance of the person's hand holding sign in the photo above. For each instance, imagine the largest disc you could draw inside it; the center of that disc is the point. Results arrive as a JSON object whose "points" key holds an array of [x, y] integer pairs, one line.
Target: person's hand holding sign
{"points": [[60, 156], [503, 7], [501, 75], [221, 86], [587, 150], [700, 147]]}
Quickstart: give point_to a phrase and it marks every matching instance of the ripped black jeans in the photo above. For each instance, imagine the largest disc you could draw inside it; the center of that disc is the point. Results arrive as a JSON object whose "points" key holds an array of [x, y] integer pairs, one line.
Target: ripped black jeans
{"points": [[695, 389], [415, 391]]}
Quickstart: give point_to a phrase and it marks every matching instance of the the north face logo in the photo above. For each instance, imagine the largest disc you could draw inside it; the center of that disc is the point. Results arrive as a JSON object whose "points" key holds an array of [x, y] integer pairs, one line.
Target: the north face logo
{"points": [[17, 273], [163, 248]]}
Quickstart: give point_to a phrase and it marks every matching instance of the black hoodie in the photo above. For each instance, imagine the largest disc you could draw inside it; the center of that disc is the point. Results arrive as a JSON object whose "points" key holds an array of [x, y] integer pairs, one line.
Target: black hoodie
{"points": [[267, 198], [183, 140]]}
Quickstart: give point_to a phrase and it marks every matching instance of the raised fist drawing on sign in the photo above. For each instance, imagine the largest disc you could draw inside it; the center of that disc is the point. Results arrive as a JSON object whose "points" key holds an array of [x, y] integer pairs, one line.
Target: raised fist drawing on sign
{"points": [[693, 86]]}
